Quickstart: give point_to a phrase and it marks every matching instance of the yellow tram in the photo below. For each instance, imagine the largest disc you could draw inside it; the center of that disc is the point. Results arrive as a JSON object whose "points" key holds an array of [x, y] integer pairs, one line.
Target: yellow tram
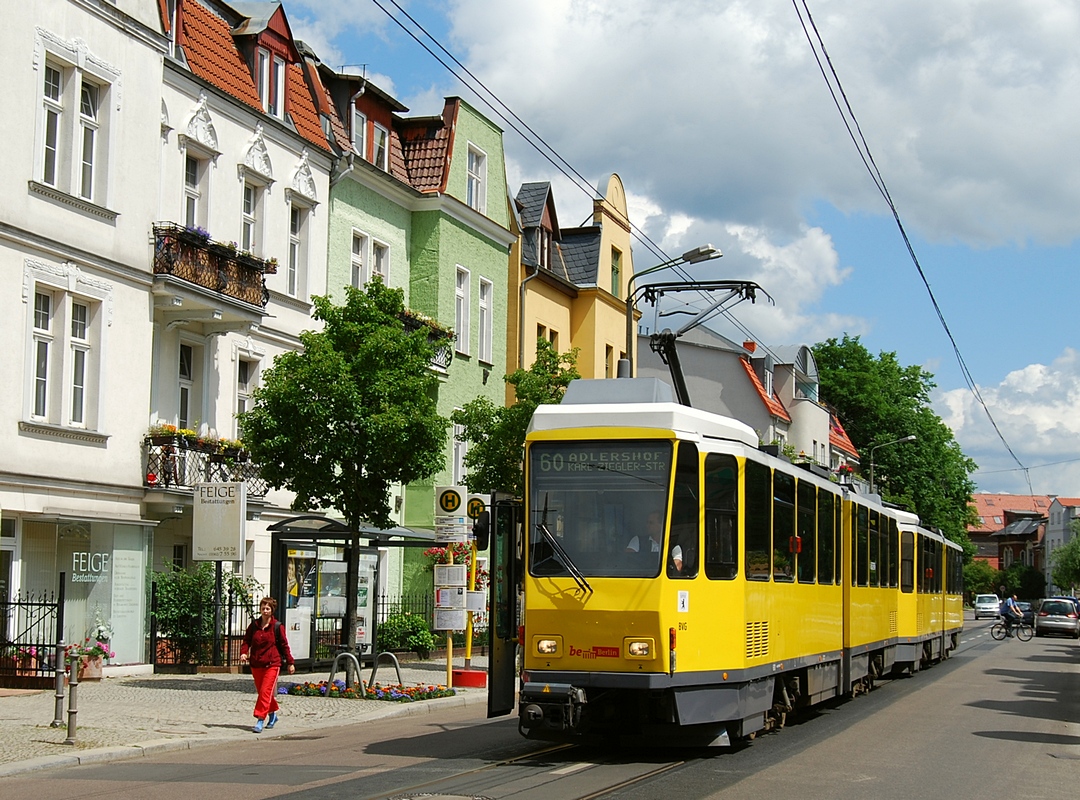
{"points": [[678, 581]]}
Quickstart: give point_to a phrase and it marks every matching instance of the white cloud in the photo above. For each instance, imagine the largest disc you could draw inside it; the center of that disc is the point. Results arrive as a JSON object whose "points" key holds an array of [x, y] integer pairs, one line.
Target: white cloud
{"points": [[1035, 410]]}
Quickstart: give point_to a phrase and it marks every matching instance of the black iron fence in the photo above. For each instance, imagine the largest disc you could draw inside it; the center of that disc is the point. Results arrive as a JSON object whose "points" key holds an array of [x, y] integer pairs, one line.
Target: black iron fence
{"points": [[29, 631], [210, 635]]}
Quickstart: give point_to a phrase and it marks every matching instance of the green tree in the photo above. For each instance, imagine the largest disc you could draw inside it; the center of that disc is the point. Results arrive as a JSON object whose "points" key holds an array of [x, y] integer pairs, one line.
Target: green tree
{"points": [[496, 434], [352, 413], [879, 401], [1024, 581], [1065, 561], [981, 578]]}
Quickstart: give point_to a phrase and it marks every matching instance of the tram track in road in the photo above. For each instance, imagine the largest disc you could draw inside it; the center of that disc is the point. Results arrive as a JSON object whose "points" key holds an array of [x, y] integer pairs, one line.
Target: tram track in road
{"points": [[560, 772]]}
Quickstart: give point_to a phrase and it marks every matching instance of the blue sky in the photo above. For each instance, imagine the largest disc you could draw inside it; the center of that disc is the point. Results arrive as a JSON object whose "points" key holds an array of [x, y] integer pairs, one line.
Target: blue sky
{"points": [[718, 120]]}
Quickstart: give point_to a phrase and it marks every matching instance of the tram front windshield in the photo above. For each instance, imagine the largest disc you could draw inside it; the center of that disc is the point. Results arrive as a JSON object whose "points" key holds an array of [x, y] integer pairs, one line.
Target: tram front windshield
{"points": [[598, 507]]}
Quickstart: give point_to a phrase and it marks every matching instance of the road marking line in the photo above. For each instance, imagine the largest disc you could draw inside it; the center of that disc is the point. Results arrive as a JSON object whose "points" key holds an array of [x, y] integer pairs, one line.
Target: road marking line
{"points": [[573, 768]]}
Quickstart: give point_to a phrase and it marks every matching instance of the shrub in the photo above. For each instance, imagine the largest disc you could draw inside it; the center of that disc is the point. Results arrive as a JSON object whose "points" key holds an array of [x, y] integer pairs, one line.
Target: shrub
{"points": [[406, 632]]}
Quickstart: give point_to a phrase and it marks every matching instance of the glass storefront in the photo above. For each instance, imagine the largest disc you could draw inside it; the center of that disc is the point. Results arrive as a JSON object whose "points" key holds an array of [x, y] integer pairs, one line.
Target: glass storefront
{"points": [[105, 567]]}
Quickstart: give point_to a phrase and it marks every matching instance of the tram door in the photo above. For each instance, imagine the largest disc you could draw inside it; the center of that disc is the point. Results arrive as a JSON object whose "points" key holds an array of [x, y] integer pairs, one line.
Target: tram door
{"points": [[506, 542]]}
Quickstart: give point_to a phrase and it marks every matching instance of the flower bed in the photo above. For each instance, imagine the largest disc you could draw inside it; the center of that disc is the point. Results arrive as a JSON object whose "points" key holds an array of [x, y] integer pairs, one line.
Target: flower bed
{"points": [[397, 693]]}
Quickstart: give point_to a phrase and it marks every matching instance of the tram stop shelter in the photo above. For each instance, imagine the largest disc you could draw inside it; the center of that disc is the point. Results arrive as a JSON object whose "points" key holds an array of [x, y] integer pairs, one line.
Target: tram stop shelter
{"points": [[310, 560]]}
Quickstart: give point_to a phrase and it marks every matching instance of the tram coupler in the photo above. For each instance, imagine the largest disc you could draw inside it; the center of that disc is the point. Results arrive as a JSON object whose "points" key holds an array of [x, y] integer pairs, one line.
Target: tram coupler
{"points": [[550, 706]]}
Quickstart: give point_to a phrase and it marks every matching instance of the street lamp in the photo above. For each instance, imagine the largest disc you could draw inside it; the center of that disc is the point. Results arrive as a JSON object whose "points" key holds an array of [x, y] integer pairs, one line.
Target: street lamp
{"points": [[705, 252], [910, 438]]}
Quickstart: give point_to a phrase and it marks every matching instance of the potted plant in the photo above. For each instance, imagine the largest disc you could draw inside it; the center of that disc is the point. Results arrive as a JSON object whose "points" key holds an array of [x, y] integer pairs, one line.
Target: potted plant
{"points": [[89, 654], [162, 433]]}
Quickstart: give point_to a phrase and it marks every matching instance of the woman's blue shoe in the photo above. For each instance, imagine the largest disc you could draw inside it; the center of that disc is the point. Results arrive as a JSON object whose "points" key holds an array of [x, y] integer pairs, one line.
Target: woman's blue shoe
{"points": [[271, 721], [258, 726]]}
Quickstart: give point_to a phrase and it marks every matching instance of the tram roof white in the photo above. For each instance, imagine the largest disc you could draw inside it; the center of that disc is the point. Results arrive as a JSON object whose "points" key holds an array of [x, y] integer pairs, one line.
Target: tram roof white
{"points": [[635, 403]]}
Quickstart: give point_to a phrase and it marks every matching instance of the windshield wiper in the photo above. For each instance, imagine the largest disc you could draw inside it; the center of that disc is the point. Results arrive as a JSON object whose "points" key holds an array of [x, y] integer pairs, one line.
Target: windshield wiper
{"points": [[560, 554]]}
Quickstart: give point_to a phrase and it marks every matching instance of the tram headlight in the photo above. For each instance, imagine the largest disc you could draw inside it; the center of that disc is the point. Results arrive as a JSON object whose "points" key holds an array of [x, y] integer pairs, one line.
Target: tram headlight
{"points": [[639, 648], [547, 647]]}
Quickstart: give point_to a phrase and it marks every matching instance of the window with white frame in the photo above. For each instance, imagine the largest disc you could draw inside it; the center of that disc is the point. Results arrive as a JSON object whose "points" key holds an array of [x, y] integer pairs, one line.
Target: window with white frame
{"points": [[380, 154], [380, 261], [477, 180], [271, 82], [189, 385], [80, 353], [247, 372], [297, 248], [616, 271], [73, 126], [461, 447], [358, 276], [484, 322], [359, 134], [53, 100], [194, 178], [249, 226], [461, 310], [43, 343], [88, 123], [64, 357]]}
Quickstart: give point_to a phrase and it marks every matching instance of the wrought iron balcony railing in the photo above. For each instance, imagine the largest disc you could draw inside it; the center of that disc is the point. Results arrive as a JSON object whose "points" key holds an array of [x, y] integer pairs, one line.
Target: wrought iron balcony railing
{"points": [[193, 256], [442, 338], [177, 463]]}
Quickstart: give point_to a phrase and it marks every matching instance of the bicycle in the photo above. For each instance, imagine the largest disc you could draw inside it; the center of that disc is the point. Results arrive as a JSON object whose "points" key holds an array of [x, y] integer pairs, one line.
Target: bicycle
{"points": [[1022, 630]]}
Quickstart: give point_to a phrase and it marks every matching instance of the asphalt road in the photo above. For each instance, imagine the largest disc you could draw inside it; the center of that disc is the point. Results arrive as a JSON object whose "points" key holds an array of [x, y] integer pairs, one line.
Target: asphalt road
{"points": [[996, 720]]}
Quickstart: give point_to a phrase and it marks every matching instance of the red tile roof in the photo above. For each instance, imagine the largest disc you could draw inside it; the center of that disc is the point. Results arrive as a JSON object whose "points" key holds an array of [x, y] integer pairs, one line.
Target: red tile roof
{"points": [[426, 145], [989, 506], [839, 439], [773, 404], [212, 55], [1068, 502], [301, 108]]}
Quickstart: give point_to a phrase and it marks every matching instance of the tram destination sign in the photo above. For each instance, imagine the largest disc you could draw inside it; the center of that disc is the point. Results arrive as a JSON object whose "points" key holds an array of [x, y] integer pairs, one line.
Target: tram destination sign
{"points": [[631, 458]]}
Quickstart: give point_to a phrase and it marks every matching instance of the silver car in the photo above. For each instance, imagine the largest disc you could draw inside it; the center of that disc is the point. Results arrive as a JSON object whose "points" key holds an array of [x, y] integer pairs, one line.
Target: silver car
{"points": [[987, 605], [1057, 615]]}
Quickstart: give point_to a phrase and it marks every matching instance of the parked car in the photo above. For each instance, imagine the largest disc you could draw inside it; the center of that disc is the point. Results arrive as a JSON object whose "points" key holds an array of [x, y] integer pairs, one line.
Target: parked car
{"points": [[987, 605], [1058, 615]]}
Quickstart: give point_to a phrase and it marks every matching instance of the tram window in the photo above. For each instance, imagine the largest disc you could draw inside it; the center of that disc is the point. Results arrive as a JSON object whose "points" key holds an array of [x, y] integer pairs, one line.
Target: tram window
{"points": [[875, 548], [826, 537], [891, 561], [838, 537], [907, 562], [721, 513], [785, 545], [806, 527], [682, 558], [757, 516], [859, 553]]}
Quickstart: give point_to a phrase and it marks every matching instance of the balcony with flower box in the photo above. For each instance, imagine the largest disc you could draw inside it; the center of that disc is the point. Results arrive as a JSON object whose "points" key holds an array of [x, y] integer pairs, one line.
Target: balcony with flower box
{"points": [[200, 281], [442, 338], [176, 460]]}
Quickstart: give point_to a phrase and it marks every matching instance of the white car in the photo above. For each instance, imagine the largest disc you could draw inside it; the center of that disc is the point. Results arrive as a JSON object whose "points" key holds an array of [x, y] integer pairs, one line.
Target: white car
{"points": [[987, 605]]}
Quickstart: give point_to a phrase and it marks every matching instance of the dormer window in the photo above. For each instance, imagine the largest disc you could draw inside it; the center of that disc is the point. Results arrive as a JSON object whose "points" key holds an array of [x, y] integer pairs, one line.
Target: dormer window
{"points": [[359, 134], [545, 248], [380, 154], [270, 78]]}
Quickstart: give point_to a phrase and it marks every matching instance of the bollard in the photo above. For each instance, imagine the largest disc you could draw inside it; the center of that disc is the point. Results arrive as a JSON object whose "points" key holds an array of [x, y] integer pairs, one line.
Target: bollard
{"points": [[58, 665], [73, 703]]}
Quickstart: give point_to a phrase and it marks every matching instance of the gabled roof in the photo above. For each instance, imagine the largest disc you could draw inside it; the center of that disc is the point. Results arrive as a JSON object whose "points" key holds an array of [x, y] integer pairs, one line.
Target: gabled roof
{"points": [[1068, 502], [773, 404], [212, 54], [532, 198]]}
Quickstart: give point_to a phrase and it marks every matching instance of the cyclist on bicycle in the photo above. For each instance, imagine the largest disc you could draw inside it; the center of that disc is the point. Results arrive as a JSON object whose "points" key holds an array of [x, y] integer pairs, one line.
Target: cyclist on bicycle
{"points": [[1011, 614]]}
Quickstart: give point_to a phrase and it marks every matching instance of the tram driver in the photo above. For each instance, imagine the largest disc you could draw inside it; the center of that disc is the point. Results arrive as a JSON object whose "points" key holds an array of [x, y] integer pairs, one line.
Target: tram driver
{"points": [[654, 539]]}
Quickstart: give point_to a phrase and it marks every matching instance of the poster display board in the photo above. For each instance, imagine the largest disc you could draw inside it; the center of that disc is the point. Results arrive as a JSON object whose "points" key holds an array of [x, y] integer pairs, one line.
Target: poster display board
{"points": [[219, 515]]}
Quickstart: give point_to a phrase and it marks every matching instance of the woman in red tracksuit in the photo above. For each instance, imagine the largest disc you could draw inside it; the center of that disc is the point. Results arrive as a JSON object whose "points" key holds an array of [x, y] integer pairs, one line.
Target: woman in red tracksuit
{"points": [[266, 647]]}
